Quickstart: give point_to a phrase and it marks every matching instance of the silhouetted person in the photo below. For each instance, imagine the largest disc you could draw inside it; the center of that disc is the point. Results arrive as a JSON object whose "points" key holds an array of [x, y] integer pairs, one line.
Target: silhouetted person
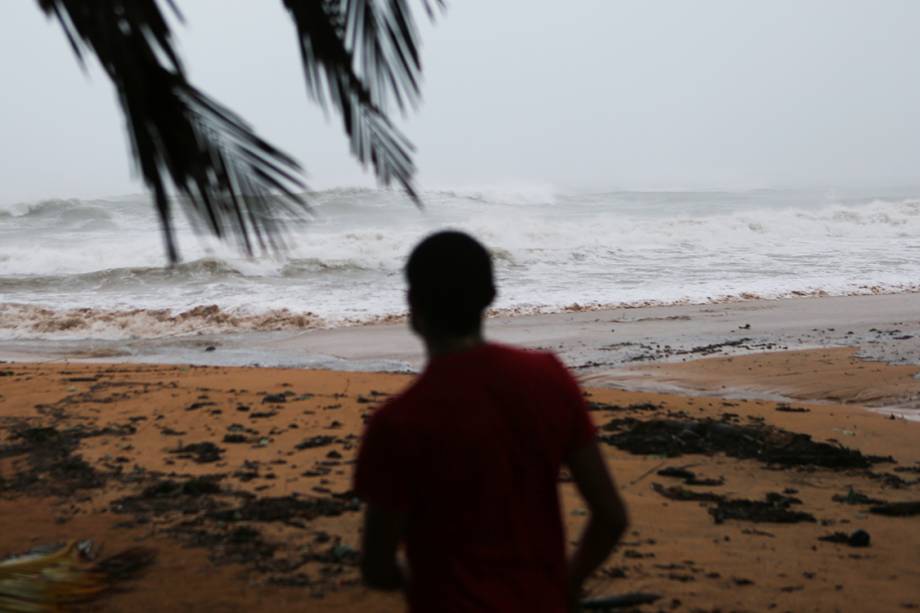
{"points": [[463, 466]]}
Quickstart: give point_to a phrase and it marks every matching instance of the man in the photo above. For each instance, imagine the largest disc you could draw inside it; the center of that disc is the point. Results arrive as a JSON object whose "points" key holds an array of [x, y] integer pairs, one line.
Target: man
{"points": [[463, 466]]}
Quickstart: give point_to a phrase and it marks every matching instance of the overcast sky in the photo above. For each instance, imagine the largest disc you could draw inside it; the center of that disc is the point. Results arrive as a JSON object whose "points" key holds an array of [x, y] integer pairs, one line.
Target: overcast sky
{"points": [[584, 93]]}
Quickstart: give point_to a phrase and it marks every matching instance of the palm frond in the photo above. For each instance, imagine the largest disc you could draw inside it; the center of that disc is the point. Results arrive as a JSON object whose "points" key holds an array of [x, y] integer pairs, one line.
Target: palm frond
{"points": [[233, 182], [362, 54], [40, 582]]}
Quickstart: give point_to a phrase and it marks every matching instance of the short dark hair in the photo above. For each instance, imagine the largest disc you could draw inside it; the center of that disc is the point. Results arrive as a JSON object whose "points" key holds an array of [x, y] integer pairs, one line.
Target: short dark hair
{"points": [[451, 281]]}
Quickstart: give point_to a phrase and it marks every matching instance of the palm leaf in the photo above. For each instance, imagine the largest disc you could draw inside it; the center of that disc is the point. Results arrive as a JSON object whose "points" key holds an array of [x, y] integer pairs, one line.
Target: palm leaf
{"points": [[39, 582], [232, 182], [362, 54]]}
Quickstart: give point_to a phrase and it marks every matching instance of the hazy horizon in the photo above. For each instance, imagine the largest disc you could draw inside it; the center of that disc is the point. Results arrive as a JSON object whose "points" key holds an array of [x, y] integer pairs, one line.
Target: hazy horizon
{"points": [[602, 95]]}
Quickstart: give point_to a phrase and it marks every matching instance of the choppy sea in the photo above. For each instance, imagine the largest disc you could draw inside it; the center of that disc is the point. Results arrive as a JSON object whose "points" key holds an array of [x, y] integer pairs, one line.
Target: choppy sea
{"points": [[96, 268]]}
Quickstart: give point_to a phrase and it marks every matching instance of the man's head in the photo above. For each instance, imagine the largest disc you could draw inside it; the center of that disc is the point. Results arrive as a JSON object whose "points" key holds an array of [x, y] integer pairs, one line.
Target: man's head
{"points": [[450, 285]]}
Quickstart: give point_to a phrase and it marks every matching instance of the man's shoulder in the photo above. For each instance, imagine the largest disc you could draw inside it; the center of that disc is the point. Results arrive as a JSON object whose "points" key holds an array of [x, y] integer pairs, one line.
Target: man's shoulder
{"points": [[539, 371]]}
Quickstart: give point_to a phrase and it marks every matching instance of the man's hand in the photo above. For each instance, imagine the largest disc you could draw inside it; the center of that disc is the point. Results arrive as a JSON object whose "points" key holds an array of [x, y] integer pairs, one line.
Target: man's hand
{"points": [[383, 530], [608, 515]]}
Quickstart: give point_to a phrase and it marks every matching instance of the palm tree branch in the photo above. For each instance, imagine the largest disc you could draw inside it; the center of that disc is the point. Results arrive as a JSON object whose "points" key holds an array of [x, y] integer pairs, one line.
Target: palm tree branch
{"points": [[362, 54], [231, 180]]}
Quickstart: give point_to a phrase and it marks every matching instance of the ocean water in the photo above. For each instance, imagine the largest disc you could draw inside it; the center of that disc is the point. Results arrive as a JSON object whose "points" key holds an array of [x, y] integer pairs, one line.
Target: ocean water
{"points": [[95, 268]]}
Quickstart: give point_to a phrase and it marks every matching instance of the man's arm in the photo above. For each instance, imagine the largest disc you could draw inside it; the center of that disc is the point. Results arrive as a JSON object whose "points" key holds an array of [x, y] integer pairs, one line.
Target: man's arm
{"points": [[608, 519], [382, 531]]}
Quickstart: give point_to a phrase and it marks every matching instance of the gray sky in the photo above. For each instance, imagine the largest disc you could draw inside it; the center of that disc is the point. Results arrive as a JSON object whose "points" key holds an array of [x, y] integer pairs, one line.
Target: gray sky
{"points": [[586, 93]]}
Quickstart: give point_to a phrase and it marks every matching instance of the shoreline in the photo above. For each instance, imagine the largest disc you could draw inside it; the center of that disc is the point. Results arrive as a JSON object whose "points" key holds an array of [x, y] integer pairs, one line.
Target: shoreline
{"points": [[216, 320], [632, 348], [240, 478]]}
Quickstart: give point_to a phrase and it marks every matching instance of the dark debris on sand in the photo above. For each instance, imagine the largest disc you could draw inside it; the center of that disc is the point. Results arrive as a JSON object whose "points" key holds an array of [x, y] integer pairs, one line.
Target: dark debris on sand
{"points": [[623, 601], [854, 497], [636, 406], [785, 408], [689, 477], [649, 352], [53, 466], [284, 509], [891, 480], [320, 440], [897, 509], [769, 444], [199, 452], [859, 538], [678, 493], [199, 511], [165, 496], [774, 508]]}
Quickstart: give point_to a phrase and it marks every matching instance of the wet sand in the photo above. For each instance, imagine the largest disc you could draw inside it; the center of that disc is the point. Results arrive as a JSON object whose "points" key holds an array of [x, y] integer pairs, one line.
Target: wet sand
{"points": [[240, 478], [882, 327], [836, 375]]}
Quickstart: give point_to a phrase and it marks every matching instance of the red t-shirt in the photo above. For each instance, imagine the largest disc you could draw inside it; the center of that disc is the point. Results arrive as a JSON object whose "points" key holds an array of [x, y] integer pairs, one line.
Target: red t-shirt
{"points": [[471, 453]]}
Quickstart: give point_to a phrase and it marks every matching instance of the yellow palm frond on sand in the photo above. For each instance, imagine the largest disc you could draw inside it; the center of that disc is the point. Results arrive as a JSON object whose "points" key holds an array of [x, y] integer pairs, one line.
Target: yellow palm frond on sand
{"points": [[36, 583]]}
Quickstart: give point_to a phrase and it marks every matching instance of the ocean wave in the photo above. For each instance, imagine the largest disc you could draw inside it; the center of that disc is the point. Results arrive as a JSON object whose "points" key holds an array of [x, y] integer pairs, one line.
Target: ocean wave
{"points": [[60, 210], [551, 250], [114, 278], [36, 321], [29, 321], [298, 267], [510, 195], [489, 194]]}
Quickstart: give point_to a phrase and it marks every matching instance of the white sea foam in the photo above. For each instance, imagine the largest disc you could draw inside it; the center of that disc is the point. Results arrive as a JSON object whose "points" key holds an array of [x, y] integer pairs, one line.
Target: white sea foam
{"points": [[552, 249]]}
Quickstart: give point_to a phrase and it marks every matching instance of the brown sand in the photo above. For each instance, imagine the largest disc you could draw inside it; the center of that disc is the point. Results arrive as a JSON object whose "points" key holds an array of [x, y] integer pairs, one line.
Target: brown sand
{"points": [[835, 374], [674, 548]]}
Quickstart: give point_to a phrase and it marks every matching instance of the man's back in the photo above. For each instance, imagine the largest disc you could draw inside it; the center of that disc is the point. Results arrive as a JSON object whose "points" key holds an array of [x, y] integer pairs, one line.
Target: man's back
{"points": [[471, 454]]}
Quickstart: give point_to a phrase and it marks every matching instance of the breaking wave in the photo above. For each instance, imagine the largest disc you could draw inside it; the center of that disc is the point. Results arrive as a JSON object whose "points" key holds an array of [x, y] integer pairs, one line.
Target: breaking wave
{"points": [[94, 268], [31, 321]]}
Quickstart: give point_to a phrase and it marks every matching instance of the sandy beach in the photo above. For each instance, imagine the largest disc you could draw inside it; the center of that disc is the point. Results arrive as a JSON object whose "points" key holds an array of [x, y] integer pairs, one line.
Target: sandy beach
{"points": [[220, 220], [590, 339], [239, 477]]}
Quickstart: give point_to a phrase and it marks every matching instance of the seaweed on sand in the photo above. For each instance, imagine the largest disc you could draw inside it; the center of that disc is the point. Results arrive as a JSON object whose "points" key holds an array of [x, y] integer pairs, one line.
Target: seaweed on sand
{"points": [[774, 508], [53, 467], [772, 445]]}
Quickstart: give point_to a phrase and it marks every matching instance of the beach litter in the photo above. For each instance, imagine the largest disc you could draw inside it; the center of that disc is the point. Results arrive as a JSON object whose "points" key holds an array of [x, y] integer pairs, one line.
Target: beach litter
{"points": [[49, 578]]}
